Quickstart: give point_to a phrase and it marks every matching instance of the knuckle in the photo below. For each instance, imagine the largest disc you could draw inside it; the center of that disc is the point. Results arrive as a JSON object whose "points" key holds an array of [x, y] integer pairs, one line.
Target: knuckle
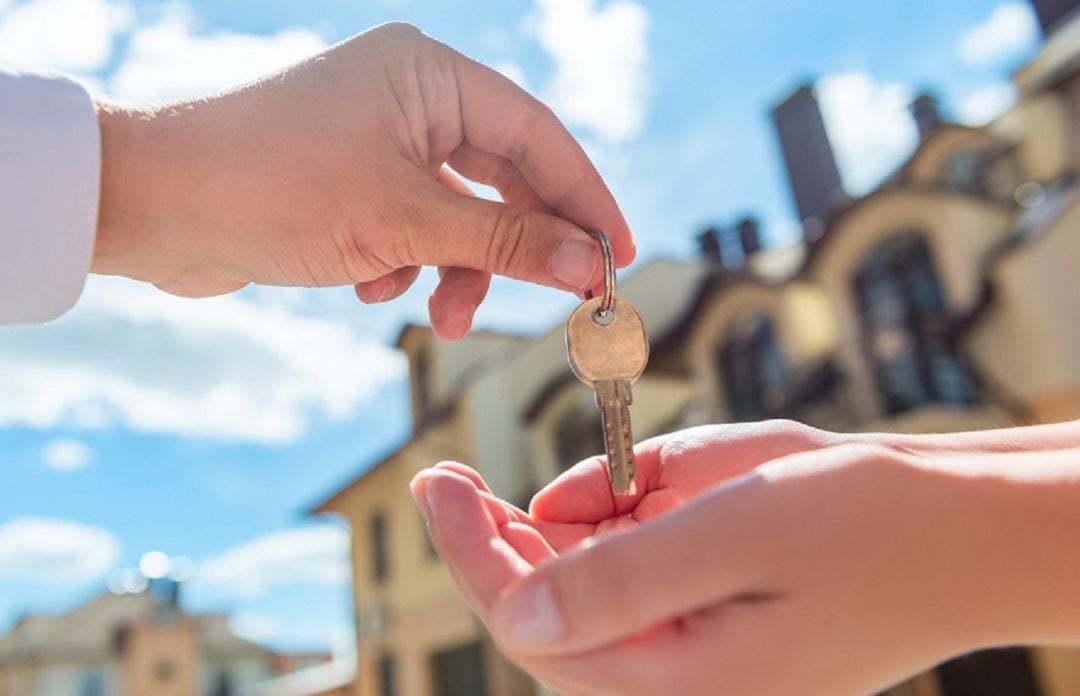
{"points": [[508, 241], [398, 31], [535, 118], [797, 433]]}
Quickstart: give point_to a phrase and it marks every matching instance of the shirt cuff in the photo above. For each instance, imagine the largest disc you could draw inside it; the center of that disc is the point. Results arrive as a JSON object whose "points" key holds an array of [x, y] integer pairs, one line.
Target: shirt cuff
{"points": [[50, 176]]}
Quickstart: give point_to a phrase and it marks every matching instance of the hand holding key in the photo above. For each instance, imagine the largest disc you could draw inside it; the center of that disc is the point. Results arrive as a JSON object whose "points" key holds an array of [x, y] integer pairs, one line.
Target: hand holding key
{"points": [[608, 349], [765, 558]]}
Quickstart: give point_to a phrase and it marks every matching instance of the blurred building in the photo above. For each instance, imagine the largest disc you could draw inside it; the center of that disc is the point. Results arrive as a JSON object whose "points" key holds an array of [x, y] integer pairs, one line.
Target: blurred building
{"points": [[944, 300], [135, 644]]}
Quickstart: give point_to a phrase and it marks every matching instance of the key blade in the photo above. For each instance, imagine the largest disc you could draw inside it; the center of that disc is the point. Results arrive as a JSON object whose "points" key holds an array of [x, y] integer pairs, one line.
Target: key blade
{"points": [[614, 398]]}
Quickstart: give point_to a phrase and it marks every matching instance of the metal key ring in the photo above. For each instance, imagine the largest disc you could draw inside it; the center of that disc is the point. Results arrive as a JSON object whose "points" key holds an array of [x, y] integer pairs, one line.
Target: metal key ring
{"points": [[607, 305]]}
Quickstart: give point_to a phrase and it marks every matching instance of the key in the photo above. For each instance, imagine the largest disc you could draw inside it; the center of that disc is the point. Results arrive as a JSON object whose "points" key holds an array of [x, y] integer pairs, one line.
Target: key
{"points": [[608, 352]]}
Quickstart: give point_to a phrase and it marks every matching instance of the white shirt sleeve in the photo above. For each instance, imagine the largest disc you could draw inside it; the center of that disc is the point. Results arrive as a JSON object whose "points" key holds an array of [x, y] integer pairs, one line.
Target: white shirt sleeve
{"points": [[50, 176]]}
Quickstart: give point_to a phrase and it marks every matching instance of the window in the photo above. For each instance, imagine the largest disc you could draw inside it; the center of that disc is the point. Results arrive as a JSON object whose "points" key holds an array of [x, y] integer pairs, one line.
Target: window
{"points": [[578, 435], [964, 173], [223, 684], [380, 549], [423, 387], [756, 376], [387, 669], [905, 328], [92, 683], [459, 671]]}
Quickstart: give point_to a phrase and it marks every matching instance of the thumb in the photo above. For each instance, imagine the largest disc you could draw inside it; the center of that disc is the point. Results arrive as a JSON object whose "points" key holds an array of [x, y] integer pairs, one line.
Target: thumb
{"points": [[629, 583], [505, 240]]}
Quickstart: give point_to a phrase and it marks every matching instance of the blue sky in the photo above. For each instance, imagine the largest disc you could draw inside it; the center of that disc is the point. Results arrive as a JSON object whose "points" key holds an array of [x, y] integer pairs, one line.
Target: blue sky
{"points": [[205, 429]]}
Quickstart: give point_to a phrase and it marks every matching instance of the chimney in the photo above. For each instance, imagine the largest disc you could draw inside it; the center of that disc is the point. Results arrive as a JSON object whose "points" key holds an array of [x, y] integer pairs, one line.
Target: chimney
{"points": [[926, 113], [749, 236], [709, 247], [165, 597], [808, 155], [1052, 13]]}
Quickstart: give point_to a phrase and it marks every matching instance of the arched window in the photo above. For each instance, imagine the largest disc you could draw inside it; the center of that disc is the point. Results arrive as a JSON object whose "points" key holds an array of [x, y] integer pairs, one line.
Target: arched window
{"points": [[756, 377], [905, 328]]}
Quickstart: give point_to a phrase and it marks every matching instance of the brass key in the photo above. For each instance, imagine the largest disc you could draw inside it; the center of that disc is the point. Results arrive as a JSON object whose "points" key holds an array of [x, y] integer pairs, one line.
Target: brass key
{"points": [[608, 350]]}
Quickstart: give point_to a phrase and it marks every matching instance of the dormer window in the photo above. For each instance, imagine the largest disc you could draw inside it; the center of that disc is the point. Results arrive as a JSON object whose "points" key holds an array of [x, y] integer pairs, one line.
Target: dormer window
{"points": [[905, 328]]}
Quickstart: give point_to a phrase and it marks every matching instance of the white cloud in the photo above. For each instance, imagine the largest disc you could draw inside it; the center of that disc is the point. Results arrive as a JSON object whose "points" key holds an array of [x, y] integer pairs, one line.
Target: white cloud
{"points": [[601, 63], [222, 368], [987, 103], [257, 628], [1010, 29], [311, 555], [65, 454], [55, 551], [168, 60], [869, 125], [69, 35]]}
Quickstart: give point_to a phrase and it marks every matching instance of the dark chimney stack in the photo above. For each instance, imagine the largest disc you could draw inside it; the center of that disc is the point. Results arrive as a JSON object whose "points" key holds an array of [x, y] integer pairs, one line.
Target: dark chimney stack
{"points": [[709, 246], [749, 236], [927, 114], [1051, 13], [808, 155]]}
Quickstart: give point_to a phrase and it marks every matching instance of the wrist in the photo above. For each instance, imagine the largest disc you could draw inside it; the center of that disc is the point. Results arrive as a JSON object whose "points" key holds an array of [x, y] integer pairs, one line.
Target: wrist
{"points": [[1011, 545], [123, 178], [146, 208]]}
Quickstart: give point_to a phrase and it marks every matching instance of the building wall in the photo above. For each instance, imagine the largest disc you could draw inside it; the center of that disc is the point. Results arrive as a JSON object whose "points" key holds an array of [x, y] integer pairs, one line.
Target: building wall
{"points": [[59, 679], [161, 659], [1029, 341]]}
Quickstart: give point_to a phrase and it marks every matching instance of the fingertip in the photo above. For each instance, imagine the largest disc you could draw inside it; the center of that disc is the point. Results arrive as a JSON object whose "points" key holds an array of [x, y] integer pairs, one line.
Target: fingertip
{"points": [[387, 287], [466, 471], [452, 323], [452, 306], [443, 488], [623, 246], [580, 494]]}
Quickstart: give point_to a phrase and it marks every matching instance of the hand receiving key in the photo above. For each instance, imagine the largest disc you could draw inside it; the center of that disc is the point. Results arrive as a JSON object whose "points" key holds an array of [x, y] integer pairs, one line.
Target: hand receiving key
{"points": [[608, 350]]}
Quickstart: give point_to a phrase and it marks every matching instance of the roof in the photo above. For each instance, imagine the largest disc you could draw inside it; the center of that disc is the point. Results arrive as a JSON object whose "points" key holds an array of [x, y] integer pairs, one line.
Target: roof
{"points": [[436, 417], [89, 632], [311, 681]]}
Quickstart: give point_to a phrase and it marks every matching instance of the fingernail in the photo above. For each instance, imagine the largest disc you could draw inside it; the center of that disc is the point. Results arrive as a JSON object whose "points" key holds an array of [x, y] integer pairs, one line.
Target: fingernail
{"points": [[421, 500], [388, 290], [467, 318], [430, 509], [575, 262], [530, 616]]}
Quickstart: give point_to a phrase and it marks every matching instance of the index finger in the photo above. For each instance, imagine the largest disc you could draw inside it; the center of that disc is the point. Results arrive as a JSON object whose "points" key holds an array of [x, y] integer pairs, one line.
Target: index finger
{"points": [[501, 118]]}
